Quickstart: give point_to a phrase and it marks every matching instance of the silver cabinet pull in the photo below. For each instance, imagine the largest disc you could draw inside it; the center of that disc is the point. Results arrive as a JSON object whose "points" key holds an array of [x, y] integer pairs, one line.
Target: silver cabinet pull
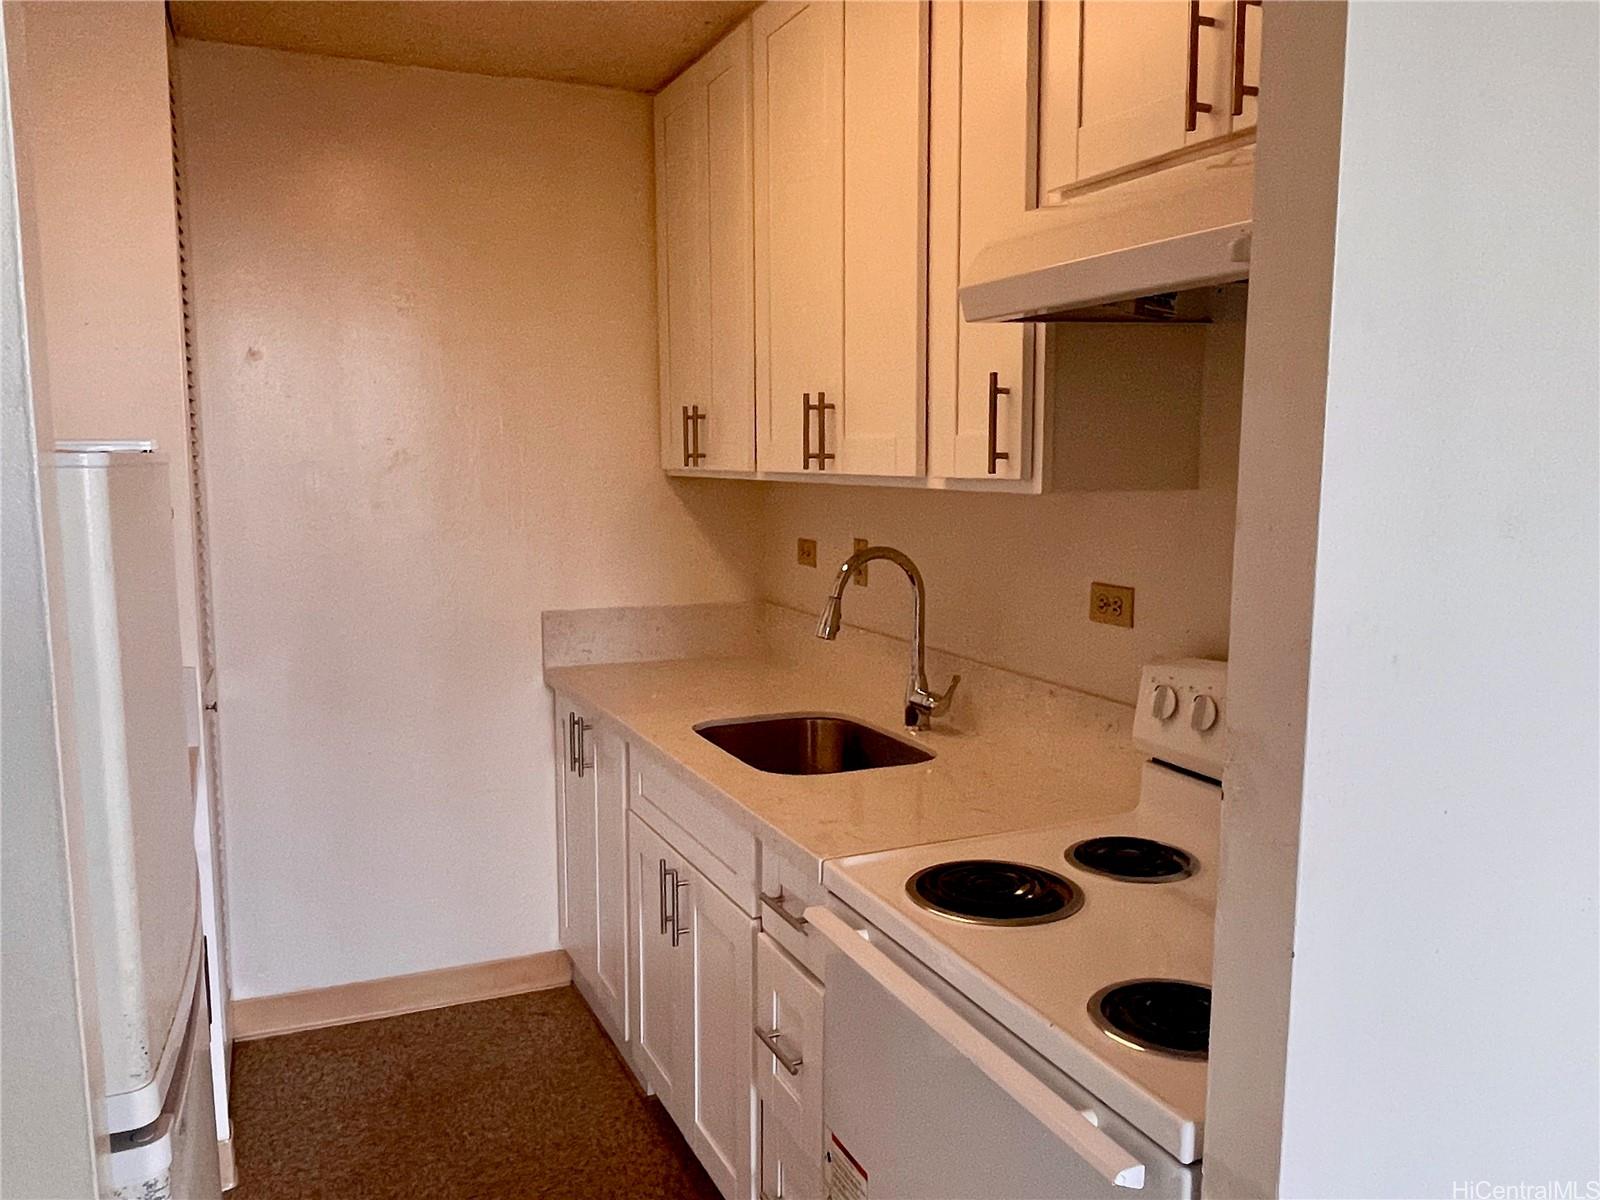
{"points": [[995, 392], [665, 871], [679, 884], [789, 1062], [822, 408], [572, 741], [581, 760], [799, 924]]}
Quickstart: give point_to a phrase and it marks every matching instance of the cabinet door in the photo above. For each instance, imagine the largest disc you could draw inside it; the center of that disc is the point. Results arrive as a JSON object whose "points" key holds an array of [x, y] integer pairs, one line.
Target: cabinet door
{"points": [[799, 230], [662, 1049], [720, 944], [1134, 82], [1059, 27], [881, 418], [610, 776], [1156, 76], [983, 168], [789, 1171], [703, 215], [579, 844], [788, 1025], [562, 729]]}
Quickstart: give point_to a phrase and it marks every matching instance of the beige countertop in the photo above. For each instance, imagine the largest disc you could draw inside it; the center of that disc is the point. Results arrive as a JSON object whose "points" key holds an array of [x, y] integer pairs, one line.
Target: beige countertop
{"points": [[1015, 753]]}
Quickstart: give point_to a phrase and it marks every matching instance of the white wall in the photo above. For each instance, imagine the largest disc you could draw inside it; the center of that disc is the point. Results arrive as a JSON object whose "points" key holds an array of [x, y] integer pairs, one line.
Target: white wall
{"points": [[426, 360], [1419, 716], [1008, 576], [94, 147], [1455, 636], [1280, 462]]}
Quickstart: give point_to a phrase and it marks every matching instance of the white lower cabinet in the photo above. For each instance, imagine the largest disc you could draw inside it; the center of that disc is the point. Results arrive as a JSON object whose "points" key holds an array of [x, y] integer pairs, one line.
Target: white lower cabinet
{"points": [[790, 1170], [661, 1037], [592, 794], [788, 1029], [692, 1005]]}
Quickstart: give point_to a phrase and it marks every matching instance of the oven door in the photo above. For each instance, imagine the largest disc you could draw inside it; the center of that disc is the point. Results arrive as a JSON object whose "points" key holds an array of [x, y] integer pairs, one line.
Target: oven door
{"points": [[925, 1095]]}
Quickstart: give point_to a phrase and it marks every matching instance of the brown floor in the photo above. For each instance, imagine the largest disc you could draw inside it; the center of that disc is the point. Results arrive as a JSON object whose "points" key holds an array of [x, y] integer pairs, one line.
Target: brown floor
{"points": [[506, 1098]]}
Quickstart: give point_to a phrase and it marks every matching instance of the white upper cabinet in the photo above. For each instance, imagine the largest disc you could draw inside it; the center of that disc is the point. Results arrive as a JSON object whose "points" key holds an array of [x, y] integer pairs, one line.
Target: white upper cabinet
{"points": [[981, 376], [704, 251], [1125, 84], [840, 95]]}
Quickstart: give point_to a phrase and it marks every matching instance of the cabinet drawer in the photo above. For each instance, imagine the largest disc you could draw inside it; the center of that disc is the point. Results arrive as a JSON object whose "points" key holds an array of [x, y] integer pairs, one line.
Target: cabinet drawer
{"points": [[698, 828], [788, 1044], [788, 888], [789, 1171]]}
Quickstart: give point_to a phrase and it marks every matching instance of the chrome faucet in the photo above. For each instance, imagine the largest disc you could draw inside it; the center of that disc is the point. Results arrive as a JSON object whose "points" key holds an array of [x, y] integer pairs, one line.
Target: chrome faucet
{"points": [[921, 703]]}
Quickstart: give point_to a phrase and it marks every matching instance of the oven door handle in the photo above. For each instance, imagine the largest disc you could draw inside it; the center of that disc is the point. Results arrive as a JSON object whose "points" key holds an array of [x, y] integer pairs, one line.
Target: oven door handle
{"points": [[1115, 1164]]}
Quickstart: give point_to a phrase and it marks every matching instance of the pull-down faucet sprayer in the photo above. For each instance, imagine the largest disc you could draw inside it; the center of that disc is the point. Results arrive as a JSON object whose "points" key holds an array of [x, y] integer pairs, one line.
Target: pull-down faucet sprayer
{"points": [[921, 702]]}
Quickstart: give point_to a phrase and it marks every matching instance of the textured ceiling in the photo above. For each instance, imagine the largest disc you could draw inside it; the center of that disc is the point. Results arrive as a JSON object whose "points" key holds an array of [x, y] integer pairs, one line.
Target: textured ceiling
{"points": [[635, 44]]}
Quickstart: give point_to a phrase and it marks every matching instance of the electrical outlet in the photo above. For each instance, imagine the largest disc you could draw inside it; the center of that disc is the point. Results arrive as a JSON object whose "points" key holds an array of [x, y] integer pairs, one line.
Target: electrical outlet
{"points": [[860, 578], [806, 552], [1111, 604]]}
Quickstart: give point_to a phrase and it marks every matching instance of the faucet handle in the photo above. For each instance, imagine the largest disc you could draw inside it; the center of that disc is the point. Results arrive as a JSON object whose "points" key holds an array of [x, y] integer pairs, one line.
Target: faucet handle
{"points": [[922, 704], [941, 702]]}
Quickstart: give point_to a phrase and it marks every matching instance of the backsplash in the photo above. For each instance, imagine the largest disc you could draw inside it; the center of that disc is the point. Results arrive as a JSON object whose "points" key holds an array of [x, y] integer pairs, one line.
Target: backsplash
{"points": [[1008, 576]]}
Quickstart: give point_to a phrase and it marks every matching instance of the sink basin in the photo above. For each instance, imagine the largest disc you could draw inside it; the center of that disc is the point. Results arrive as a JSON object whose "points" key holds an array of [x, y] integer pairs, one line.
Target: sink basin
{"points": [[809, 744]]}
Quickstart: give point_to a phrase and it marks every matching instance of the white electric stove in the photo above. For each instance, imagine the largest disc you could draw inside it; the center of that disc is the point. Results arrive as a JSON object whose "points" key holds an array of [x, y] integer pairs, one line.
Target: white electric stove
{"points": [[1027, 1014]]}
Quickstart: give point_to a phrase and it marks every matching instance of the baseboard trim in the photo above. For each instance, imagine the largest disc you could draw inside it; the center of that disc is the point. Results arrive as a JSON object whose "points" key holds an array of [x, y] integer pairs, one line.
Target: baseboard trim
{"points": [[229, 1167], [319, 1008]]}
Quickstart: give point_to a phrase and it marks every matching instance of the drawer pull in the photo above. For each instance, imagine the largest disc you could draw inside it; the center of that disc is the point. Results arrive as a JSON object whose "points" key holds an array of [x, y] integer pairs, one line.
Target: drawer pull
{"points": [[799, 924], [790, 1063]]}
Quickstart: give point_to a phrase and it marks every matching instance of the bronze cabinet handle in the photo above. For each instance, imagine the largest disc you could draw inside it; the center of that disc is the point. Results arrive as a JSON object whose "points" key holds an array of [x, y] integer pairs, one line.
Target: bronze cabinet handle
{"points": [[696, 456], [805, 431], [685, 438], [995, 392], [822, 408], [1241, 89], [1195, 105]]}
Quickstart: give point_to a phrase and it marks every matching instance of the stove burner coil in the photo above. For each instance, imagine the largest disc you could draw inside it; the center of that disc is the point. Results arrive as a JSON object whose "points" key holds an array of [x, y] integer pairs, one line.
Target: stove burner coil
{"points": [[1164, 1016], [1132, 859], [989, 892]]}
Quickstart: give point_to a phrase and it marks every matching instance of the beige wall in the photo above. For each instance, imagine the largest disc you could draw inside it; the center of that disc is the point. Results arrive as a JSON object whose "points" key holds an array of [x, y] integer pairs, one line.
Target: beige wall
{"points": [[94, 159], [1008, 576], [426, 359]]}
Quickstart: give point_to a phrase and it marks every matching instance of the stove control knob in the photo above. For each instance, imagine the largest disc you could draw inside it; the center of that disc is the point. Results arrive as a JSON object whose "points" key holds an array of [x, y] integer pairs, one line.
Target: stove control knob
{"points": [[1163, 702], [1204, 714]]}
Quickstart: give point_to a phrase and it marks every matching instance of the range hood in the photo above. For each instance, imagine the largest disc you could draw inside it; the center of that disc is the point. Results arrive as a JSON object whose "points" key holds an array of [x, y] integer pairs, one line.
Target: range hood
{"points": [[1183, 227]]}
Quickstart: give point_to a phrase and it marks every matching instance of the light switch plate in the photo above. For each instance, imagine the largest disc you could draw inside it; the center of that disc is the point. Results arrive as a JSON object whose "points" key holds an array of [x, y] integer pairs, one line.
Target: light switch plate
{"points": [[860, 577], [1111, 604], [806, 552]]}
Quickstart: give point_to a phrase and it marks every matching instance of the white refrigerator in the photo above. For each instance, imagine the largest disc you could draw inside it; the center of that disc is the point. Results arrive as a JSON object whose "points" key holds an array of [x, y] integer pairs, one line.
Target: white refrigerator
{"points": [[114, 508]]}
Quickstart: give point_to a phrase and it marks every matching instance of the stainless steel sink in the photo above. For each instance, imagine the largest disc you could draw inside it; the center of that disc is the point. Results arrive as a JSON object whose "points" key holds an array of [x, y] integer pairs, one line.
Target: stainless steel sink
{"points": [[809, 744]]}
